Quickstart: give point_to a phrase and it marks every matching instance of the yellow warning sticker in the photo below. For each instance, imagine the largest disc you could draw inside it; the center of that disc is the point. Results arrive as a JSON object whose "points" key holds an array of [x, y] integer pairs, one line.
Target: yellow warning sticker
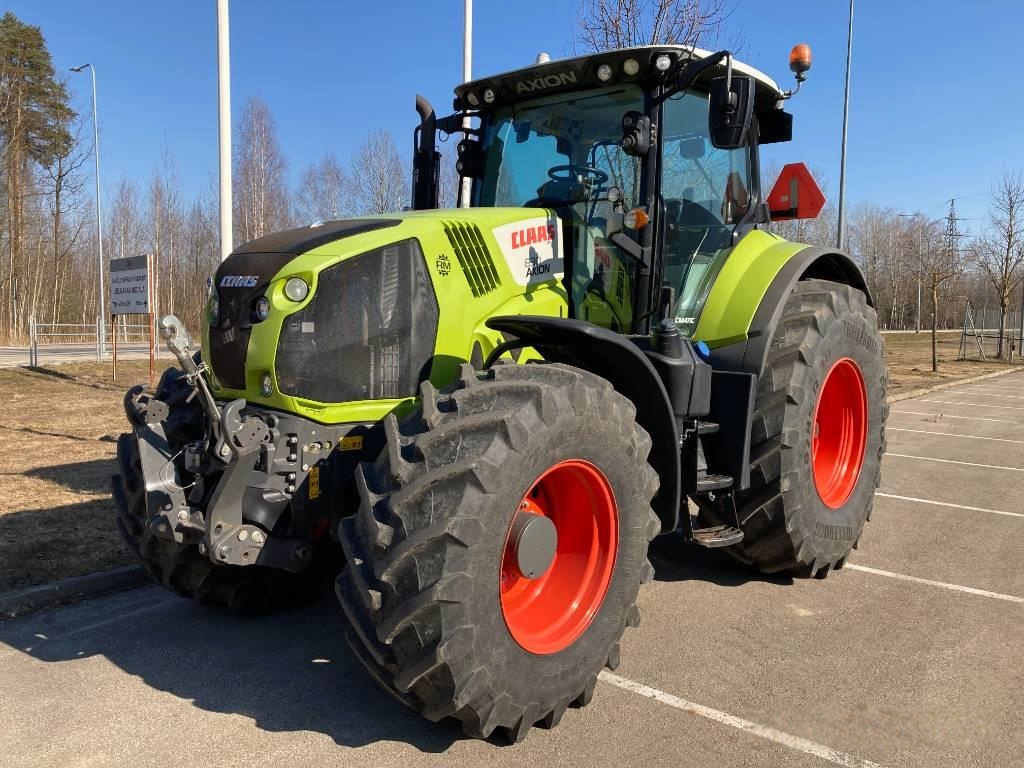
{"points": [[350, 443], [314, 483]]}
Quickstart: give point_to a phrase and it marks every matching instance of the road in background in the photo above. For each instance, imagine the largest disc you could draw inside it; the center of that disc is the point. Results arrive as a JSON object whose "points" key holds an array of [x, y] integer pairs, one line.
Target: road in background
{"points": [[910, 656], [13, 357]]}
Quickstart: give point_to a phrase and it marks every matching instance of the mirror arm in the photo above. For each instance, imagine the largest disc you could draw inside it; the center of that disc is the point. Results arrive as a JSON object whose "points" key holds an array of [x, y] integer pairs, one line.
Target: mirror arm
{"points": [[694, 69]]}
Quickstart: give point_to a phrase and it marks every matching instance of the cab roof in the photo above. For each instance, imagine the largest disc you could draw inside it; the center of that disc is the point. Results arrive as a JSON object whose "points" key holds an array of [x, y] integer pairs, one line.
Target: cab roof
{"points": [[628, 65]]}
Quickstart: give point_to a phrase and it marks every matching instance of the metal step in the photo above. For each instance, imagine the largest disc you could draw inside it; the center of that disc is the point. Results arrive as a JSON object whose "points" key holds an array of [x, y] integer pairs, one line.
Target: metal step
{"points": [[717, 536], [707, 428], [707, 483]]}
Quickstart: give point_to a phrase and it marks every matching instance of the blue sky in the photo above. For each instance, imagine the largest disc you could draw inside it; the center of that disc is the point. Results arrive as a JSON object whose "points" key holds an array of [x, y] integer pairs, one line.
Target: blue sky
{"points": [[936, 105]]}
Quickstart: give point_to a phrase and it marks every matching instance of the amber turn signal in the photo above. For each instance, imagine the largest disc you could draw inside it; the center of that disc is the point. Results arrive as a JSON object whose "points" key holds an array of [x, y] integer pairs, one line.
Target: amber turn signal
{"points": [[636, 219], [800, 58]]}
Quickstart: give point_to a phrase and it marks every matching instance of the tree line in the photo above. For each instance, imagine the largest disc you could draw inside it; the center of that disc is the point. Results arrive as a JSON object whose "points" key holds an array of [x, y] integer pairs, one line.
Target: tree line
{"points": [[48, 236]]}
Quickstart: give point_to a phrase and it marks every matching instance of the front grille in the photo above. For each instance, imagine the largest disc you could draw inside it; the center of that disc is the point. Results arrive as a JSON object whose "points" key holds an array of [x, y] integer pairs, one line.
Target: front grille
{"points": [[473, 256], [368, 332]]}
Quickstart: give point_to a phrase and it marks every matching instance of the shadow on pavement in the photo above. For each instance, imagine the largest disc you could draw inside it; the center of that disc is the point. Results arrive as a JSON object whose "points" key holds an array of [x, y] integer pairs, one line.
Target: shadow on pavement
{"points": [[677, 560], [291, 671]]}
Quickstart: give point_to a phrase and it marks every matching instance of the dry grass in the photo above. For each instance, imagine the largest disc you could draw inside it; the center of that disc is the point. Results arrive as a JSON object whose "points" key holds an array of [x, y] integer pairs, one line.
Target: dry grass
{"points": [[59, 426], [909, 358]]}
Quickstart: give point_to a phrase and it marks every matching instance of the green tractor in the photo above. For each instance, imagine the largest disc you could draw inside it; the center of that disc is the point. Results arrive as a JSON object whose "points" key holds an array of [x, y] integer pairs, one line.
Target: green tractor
{"points": [[482, 416]]}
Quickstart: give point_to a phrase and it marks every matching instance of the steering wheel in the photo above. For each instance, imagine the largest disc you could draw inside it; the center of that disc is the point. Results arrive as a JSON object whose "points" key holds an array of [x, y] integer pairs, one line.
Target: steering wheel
{"points": [[572, 172]]}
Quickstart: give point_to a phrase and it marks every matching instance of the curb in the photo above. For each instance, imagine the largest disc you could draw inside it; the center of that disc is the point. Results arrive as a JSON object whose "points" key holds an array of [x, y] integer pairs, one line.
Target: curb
{"points": [[32, 599], [948, 384]]}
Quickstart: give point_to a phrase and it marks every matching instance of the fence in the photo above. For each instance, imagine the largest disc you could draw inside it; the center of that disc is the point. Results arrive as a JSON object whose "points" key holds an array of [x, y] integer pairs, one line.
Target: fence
{"points": [[81, 334]]}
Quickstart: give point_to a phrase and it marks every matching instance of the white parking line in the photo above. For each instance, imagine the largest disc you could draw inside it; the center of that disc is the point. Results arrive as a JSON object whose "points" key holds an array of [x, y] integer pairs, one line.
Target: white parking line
{"points": [[973, 405], [947, 504], [724, 718], [951, 434], [988, 393], [1000, 386], [951, 461], [931, 583], [951, 416]]}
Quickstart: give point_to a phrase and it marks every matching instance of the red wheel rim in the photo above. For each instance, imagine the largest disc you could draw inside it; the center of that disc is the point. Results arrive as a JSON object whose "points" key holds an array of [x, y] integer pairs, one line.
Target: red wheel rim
{"points": [[548, 613], [840, 432]]}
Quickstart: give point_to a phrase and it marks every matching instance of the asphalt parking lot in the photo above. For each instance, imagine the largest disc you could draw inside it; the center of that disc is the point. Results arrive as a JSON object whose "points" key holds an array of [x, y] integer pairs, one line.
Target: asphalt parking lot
{"points": [[910, 656]]}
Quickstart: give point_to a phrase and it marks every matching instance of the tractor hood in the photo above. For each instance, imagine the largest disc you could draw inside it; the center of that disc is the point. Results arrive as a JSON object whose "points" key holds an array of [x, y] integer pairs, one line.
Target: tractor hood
{"points": [[362, 310]]}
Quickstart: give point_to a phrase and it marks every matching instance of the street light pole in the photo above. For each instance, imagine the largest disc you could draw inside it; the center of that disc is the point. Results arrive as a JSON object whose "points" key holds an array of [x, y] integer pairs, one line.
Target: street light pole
{"points": [[99, 214], [467, 75], [224, 115], [841, 219], [920, 258]]}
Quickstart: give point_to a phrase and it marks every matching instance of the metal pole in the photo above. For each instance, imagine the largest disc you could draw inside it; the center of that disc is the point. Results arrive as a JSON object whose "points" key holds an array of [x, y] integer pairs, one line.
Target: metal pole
{"points": [[841, 219], [467, 75], [1020, 344], [920, 260], [224, 91]]}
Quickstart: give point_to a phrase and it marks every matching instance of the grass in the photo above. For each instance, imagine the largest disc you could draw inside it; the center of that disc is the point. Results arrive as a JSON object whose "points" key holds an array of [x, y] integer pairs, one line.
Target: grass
{"points": [[59, 427]]}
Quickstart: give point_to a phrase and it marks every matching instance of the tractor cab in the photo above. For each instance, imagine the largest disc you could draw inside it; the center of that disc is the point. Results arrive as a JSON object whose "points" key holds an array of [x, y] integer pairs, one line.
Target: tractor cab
{"points": [[648, 156]]}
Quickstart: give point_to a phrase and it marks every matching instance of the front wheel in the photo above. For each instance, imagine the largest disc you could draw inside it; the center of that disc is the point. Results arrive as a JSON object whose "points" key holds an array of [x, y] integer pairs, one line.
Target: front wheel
{"points": [[499, 547], [817, 436]]}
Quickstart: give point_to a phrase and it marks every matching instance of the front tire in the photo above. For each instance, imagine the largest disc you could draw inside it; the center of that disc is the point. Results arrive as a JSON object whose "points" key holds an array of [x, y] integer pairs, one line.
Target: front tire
{"points": [[817, 436], [438, 615]]}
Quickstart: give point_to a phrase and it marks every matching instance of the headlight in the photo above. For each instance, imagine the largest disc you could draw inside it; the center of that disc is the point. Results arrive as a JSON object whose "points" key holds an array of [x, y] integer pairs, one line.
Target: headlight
{"points": [[296, 289], [630, 67], [262, 309], [213, 310], [663, 62], [604, 73], [266, 385], [489, 95]]}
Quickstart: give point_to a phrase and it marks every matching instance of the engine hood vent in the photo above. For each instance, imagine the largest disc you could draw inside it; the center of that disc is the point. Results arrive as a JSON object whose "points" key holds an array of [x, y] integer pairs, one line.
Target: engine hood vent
{"points": [[473, 256]]}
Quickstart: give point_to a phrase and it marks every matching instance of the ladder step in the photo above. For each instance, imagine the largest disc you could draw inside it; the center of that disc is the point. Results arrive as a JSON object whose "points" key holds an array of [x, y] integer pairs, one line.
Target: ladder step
{"points": [[707, 428], [717, 536], [707, 483]]}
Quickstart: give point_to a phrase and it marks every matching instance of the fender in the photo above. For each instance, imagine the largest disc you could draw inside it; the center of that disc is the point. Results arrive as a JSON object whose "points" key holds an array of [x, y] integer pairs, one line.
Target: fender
{"points": [[749, 354], [617, 359]]}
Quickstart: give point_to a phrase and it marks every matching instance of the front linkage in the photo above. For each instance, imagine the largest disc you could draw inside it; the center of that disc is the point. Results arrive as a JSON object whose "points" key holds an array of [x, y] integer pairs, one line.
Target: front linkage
{"points": [[197, 482]]}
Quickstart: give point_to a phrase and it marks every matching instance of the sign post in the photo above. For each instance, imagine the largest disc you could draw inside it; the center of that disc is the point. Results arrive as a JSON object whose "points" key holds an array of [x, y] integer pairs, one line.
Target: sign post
{"points": [[131, 293]]}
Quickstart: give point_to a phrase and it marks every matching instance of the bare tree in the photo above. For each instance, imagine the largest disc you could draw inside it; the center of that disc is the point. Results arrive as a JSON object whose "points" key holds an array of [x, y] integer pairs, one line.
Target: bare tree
{"points": [[324, 192], [379, 177], [999, 253], [608, 24], [939, 259], [261, 196]]}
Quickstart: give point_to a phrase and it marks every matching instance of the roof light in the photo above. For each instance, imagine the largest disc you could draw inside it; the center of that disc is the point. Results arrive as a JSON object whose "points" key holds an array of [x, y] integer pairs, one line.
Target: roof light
{"points": [[489, 95], [663, 62], [296, 289], [630, 67], [472, 100], [604, 73]]}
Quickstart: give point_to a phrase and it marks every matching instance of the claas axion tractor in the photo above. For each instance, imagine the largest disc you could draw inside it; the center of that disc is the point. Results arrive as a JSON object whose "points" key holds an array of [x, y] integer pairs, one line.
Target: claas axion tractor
{"points": [[481, 417]]}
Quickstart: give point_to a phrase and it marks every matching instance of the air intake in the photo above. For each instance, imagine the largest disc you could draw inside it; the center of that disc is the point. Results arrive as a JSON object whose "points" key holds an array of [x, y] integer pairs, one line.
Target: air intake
{"points": [[474, 258]]}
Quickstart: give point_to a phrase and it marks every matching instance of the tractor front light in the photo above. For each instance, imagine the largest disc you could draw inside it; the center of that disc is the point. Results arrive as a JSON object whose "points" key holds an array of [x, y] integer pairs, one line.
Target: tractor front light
{"points": [[262, 310], [213, 310], [604, 73], [266, 385], [489, 95], [472, 99], [663, 62], [296, 289], [630, 67]]}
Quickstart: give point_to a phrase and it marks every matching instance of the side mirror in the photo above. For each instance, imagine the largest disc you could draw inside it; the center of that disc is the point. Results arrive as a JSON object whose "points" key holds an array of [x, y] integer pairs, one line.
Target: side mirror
{"points": [[732, 110], [692, 148]]}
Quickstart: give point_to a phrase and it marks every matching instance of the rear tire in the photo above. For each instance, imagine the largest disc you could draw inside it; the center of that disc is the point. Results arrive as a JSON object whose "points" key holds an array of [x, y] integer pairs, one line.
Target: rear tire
{"points": [[421, 589], [787, 525]]}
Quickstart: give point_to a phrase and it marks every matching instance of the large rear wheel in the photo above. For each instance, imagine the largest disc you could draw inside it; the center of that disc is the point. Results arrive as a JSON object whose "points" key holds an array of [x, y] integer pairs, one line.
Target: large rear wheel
{"points": [[817, 439], [501, 541]]}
